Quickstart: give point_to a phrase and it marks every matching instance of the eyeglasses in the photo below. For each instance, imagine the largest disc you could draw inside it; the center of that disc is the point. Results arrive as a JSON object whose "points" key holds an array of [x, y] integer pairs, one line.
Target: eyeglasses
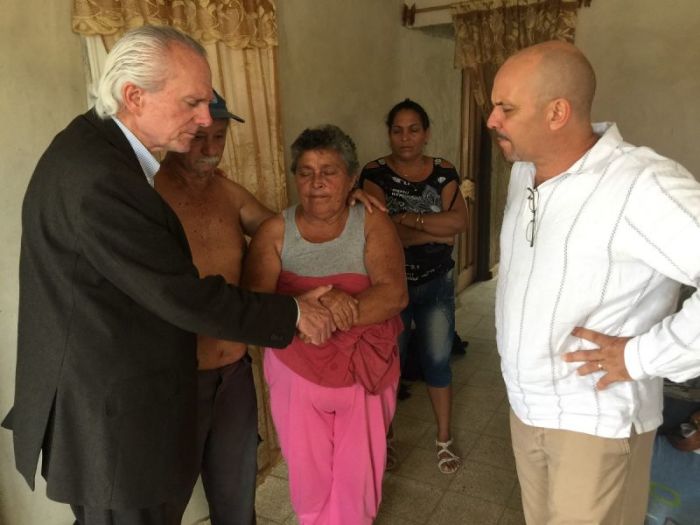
{"points": [[532, 200]]}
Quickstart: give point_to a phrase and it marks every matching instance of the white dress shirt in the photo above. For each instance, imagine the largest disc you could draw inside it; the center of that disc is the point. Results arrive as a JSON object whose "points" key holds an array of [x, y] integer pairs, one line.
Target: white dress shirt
{"points": [[613, 237], [148, 162]]}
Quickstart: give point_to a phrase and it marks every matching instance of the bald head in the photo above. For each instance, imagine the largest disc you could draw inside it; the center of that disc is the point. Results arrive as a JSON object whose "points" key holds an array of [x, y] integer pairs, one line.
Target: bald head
{"points": [[542, 99], [559, 70]]}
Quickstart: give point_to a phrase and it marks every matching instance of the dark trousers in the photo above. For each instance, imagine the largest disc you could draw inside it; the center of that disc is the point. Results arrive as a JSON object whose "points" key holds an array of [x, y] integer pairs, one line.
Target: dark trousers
{"points": [[227, 442], [163, 514]]}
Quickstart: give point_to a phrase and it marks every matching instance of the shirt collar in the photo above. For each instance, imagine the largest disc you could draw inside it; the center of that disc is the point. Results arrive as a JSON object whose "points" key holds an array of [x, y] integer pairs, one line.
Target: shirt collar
{"points": [[148, 162], [609, 139]]}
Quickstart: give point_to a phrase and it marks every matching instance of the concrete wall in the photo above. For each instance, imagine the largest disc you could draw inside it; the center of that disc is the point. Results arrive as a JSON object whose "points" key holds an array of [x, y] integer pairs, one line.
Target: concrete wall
{"points": [[42, 89], [348, 63], [646, 55], [427, 74]]}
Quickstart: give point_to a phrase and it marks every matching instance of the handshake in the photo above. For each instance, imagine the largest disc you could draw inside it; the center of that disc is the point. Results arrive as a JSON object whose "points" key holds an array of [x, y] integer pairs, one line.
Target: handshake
{"points": [[324, 310]]}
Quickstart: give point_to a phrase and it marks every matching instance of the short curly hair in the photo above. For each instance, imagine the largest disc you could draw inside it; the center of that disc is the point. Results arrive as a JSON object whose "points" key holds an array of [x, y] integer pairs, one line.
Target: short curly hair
{"points": [[326, 137]]}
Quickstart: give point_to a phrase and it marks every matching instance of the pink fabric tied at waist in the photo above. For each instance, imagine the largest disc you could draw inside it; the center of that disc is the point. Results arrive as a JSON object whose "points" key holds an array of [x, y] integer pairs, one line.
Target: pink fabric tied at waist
{"points": [[367, 355]]}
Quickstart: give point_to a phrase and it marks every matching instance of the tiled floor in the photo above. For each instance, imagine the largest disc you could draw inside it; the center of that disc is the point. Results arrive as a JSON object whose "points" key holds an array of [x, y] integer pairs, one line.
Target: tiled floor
{"points": [[485, 491]]}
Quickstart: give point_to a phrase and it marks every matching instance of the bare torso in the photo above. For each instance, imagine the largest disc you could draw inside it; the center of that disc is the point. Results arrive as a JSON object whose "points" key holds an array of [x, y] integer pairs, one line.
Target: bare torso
{"points": [[210, 214]]}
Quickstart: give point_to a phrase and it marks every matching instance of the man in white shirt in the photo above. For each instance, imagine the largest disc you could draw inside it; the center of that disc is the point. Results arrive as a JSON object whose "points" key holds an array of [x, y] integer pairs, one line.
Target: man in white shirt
{"points": [[597, 234]]}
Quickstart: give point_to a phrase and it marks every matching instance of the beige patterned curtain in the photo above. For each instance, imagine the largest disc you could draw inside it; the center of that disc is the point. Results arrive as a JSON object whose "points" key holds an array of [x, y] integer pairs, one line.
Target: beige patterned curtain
{"points": [[489, 31], [241, 39], [238, 23], [486, 33]]}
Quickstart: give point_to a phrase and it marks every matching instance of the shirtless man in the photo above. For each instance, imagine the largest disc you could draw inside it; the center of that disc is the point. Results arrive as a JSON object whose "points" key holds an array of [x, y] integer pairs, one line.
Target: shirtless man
{"points": [[216, 213]]}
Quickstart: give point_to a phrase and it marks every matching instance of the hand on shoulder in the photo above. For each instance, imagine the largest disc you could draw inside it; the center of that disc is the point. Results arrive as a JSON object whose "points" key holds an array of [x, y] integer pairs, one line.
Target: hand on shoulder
{"points": [[446, 164]]}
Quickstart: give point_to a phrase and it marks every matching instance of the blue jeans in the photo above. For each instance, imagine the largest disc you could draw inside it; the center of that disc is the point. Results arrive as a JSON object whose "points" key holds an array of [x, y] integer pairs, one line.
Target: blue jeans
{"points": [[431, 307]]}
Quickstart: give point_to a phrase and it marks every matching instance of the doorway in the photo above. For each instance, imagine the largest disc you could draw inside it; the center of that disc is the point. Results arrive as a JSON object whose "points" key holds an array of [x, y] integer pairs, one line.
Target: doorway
{"points": [[473, 254]]}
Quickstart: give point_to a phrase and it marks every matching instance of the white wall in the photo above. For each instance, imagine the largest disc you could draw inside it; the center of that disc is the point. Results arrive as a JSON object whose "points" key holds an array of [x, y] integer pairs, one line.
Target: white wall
{"points": [[42, 88], [646, 55]]}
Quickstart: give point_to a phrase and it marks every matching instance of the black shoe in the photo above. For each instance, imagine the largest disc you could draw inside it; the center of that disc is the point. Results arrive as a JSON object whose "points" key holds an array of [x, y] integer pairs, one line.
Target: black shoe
{"points": [[459, 347]]}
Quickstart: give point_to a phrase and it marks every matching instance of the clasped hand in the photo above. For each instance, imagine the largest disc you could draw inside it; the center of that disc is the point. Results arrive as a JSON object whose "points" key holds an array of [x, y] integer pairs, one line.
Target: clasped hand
{"points": [[324, 310], [344, 308]]}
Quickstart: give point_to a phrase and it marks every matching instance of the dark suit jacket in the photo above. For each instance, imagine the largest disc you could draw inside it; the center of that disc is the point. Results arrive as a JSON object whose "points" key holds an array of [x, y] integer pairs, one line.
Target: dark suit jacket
{"points": [[109, 305]]}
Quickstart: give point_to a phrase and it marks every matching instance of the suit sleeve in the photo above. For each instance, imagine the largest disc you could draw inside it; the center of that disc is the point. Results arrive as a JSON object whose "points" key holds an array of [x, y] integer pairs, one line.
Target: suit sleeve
{"points": [[133, 239]]}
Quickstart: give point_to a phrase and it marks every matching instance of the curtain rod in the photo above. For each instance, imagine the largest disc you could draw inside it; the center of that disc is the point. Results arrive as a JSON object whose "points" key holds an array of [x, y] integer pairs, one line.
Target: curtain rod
{"points": [[434, 8], [581, 3], [408, 15]]}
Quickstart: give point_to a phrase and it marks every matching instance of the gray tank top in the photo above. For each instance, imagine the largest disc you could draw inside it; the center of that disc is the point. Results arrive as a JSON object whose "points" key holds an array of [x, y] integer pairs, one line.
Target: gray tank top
{"points": [[344, 254]]}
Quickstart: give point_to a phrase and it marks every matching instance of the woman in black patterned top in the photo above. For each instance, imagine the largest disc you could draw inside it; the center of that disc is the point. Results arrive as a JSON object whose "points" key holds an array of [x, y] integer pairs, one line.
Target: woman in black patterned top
{"points": [[422, 196]]}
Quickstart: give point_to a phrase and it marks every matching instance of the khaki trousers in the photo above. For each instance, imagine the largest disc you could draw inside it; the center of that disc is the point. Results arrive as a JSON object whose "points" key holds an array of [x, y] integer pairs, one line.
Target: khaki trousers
{"points": [[575, 479]]}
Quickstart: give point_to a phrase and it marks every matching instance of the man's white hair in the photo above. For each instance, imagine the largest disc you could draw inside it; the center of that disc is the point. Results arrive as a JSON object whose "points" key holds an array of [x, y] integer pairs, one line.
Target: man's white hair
{"points": [[138, 57]]}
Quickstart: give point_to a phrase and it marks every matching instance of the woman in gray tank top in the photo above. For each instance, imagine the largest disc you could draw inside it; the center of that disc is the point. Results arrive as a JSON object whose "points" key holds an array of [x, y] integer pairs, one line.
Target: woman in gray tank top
{"points": [[332, 404]]}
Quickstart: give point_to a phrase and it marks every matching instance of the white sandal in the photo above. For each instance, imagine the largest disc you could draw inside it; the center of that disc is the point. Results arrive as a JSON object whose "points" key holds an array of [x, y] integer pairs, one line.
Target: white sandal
{"points": [[451, 457]]}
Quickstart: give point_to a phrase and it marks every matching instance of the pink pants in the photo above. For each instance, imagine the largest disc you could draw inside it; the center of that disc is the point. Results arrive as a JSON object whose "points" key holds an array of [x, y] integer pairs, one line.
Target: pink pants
{"points": [[334, 442]]}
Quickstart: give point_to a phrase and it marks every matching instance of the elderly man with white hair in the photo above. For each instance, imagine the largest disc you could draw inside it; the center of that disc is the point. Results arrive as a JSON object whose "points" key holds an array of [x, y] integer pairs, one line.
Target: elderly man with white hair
{"points": [[110, 300]]}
